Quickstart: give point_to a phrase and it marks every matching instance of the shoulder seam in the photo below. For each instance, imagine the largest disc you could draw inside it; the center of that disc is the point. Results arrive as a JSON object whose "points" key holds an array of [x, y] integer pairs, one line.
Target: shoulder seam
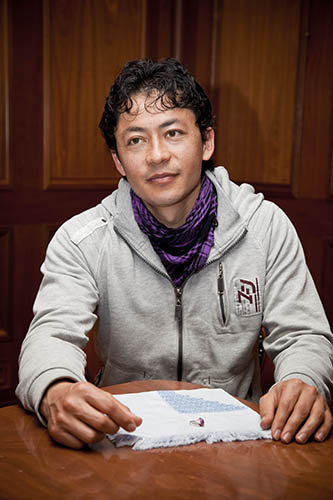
{"points": [[88, 229]]}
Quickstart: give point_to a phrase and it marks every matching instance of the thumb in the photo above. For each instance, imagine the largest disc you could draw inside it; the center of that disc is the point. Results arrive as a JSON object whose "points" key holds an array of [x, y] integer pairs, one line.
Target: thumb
{"points": [[267, 407]]}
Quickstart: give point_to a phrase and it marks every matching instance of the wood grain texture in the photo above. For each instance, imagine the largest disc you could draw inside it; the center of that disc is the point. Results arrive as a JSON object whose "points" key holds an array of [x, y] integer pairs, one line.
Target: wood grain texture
{"points": [[249, 470], [6, 250], [4, 94], [4, 375], [55, 106], [187, 30], [313, 220], [257, 60], [198, 27], [161, 29], [85, 45], [316, 167]]}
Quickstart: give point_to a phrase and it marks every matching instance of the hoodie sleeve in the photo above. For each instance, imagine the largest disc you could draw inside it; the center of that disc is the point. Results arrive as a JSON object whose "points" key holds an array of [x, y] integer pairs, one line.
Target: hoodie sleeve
{"points": [[299, 339], [64, 313]]}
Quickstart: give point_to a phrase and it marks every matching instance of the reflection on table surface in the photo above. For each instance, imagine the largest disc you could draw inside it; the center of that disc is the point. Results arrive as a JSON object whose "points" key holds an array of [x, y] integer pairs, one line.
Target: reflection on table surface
{"points": [[32, 466]]}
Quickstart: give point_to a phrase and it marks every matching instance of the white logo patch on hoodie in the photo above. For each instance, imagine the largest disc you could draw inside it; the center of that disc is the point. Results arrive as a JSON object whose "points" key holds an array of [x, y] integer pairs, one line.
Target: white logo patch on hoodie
{"points": [[247, 296]]}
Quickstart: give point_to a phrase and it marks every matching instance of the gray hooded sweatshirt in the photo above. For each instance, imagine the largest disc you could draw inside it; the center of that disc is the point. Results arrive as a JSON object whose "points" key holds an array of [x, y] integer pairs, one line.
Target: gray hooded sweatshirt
{"points": [[100, 265]]}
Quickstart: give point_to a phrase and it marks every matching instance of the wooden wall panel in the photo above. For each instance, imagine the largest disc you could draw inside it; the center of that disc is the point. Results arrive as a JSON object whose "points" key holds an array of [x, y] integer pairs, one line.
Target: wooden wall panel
{"points": [[161, 29], [314, 176], [197, 35], [187, 30], [5, 381], [257, 56], [6, 263], [269, 75], [8, 365], [4, 94], [85, 45], [24, 260]]}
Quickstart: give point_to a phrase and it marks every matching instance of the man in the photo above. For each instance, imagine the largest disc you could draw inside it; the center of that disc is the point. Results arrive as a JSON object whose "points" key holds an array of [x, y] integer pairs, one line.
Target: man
{"points": [[182, 268]]}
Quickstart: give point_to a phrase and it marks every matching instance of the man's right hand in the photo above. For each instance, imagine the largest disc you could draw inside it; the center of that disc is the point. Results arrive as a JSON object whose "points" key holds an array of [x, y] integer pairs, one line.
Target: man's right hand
{"points": [[79, 413]]}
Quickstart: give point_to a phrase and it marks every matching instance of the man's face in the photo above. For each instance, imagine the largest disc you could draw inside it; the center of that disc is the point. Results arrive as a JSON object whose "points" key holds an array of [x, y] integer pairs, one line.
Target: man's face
{"points": [[161, 153]]}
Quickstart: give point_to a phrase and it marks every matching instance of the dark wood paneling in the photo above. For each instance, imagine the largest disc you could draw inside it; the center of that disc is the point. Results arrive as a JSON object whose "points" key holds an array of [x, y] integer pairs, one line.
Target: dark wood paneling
{"points": [[6, 264], [26, 102], [187, 30], [5, 381], [315, 171], [265, 64], [161, 29], [85, 44], [197, 44], [4, 94], [313, 220], [257, 60], [25, 252]]}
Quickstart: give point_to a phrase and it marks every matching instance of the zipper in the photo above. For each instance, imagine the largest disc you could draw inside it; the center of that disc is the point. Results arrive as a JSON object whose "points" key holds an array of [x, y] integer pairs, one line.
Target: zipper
{"points": [[220, 277], [179, 318], [178, 307], [179, 292], [220, 291]]}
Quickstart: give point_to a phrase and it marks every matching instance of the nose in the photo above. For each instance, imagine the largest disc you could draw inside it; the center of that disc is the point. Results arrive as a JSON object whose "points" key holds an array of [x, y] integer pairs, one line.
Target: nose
{"points": [[158, 151]]}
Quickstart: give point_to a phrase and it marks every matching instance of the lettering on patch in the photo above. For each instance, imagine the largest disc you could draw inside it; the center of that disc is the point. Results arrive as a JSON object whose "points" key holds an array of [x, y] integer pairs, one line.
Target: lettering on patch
{"points": [[247, 296]]}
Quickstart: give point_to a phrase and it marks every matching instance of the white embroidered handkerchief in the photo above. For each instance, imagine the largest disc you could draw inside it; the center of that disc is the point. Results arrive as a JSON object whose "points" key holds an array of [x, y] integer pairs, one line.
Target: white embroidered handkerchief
{"points": [[174, 418]]}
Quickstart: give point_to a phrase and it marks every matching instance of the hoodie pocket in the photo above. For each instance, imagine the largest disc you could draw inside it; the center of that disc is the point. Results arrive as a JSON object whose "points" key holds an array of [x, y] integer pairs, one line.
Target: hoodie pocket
{"points": [[115, 374]]}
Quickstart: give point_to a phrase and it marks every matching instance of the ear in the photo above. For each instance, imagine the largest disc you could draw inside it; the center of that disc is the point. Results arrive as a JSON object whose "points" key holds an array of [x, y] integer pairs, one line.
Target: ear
{"points": [[209, 144], [118, 163]]}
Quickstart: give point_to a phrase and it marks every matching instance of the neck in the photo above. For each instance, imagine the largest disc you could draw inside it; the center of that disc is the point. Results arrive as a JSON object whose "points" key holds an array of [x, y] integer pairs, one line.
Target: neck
{"points": [[169, 217], [174, 216]]}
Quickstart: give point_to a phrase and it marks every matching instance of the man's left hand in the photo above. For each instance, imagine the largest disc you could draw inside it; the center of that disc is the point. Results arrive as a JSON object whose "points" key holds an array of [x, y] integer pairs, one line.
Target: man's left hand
{"points": [[293, 409]]}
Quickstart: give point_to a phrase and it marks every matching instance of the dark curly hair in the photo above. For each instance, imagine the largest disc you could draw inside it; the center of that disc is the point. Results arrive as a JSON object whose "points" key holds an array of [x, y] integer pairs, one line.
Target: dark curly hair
{"points": [[175, 87]]}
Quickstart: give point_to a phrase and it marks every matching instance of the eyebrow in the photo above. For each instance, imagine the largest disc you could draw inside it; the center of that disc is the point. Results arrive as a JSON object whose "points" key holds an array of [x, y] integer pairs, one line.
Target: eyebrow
{"points": [[163, 125]]}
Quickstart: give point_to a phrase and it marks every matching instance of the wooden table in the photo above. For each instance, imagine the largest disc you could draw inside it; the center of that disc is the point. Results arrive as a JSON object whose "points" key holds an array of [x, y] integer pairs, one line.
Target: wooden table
{"points": [[33, 467]]}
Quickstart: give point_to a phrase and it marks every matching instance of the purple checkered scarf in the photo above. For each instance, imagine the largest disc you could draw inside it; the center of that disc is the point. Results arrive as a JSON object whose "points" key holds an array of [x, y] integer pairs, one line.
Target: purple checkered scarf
{"points": [[185, 249]]}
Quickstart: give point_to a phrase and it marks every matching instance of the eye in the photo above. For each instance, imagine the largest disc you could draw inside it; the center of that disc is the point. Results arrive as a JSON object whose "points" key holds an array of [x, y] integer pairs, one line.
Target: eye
{"points": [[134, 141], [174, 133]]}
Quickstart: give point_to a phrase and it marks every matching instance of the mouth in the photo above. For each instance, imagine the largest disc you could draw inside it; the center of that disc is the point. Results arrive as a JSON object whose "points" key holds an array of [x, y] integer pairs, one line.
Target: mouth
{"points": [[162, 177]]}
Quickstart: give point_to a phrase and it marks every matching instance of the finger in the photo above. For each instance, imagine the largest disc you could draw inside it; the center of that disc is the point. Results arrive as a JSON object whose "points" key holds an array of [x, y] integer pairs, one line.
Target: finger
{"points": [[304, 420], [137, 419], [117, 412], [267, 407], [276, 407], [84, 397], [67, 439], [319, 422], [324, 430], [309, 409], [89, 415], [123, 416], [293, 401], [100, 421], [66, 427], [83, 432]]}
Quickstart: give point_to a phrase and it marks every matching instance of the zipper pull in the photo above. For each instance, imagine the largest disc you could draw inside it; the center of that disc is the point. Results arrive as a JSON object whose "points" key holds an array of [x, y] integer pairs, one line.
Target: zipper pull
{"points": [[220, 284], [220, 291], [178, 311]]}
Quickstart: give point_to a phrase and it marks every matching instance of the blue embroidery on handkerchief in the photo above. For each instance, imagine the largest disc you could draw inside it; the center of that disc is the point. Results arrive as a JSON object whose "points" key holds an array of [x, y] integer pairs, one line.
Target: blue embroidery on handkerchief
{"points": [[188, 404]]}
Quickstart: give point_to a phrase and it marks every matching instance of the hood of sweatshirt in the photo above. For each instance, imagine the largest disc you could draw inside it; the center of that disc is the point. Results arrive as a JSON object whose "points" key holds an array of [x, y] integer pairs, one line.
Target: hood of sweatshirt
{"points": [[236, 207]]}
